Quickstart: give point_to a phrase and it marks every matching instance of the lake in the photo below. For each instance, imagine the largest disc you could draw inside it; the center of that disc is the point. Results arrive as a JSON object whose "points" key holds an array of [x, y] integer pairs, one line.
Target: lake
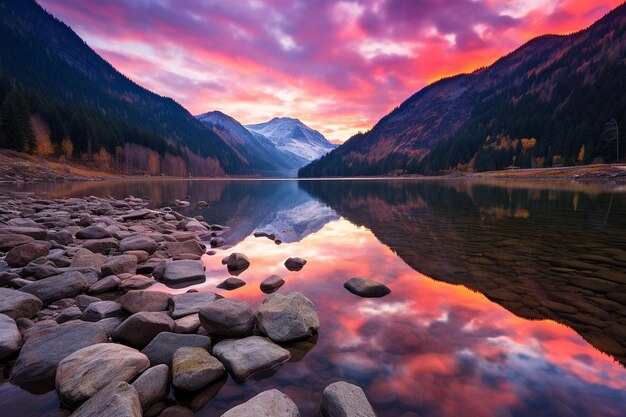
{"points": [[508, 298]]}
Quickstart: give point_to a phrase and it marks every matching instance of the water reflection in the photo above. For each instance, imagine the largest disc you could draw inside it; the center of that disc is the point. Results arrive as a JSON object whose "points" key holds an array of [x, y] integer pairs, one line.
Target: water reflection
{"points": [[429, 348]]}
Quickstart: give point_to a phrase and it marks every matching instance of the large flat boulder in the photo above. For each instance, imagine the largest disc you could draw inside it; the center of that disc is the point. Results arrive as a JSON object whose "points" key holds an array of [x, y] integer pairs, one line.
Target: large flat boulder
{"points": [[287, 317], [183, 271], [82, 374], [16, 304], [136, 301], [66, 285], [162, 348], [268, 403], [191, 303], [45, 348], [118, 399], [342, 399], [139, 242], [227, 318], [248, 356]]}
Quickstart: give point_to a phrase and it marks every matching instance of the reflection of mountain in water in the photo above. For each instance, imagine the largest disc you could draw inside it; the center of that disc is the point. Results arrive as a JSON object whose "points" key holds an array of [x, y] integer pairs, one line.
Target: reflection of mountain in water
{"points": [[542, 254]]}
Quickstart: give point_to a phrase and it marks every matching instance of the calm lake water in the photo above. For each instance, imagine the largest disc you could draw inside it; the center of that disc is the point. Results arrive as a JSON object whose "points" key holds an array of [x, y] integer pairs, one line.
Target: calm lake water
{"points": [[508, 299]]}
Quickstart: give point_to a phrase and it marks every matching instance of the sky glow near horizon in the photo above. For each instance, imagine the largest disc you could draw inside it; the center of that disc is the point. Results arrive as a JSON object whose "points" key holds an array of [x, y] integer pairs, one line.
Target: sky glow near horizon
{"points": [[338, 66]]}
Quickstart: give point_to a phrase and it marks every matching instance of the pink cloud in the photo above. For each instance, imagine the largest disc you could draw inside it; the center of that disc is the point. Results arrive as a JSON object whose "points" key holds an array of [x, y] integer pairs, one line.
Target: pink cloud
{"points": [[338, 66]]}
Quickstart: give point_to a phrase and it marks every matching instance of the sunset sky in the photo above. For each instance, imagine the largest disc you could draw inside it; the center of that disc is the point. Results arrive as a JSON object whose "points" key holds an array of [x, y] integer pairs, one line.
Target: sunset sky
{"points": [[339, 66]]}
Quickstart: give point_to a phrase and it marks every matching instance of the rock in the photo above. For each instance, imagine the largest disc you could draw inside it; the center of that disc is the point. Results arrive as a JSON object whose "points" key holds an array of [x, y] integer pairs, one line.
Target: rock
{"points": [[248, 356], [141, 255], [23, 254], [16, 304], [216, 242], [202, 203], [137, 214], [268, 403], [9, 241], [102, 310], [183, 250], [70, 313], [153, 385], [341, 399], [86, 259], [161, 349], [62, 237], [177, 411], [287, 317], [231, 283], [184, 271], [51, 289], [45, 348], [366, 287], [83, 300], [237, 262], [101, 245], [92, 232], [271, 284], [36, 233], [110, 324], [227, 318], [137, 282], [82, 374], [106, 284], [191, 303], [140, 328], [136, 301], [10, 337], [187, 324], [139, 242], [39, 271], [194, 368], [118, 399], [295, 264], [122, 264]]}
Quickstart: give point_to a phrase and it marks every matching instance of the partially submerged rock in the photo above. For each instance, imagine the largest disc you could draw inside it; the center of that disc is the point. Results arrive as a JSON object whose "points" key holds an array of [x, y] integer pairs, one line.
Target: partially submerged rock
{"points": [[231, 283], [190, 303], [227, 318], [268, 403], [237, 262], [140, 328], [183, 271], [161, 349], [152, 385], [118, 399], [342, 399], [295, 263], [272, 284], [287, 317], [248, 356], [82, 374], [366, 287]]}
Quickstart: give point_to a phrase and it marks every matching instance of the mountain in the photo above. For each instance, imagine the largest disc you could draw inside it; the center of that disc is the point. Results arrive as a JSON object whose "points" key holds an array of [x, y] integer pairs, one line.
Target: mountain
{"points": [[253, 147], [53, 76], [293, 136], [556, 100]]}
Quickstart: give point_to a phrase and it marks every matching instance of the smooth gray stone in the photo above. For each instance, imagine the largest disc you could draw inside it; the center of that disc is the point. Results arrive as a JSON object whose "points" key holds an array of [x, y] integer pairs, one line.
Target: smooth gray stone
{"points": [[83, 300], [190, 303], [287, 317], [51, 289], [341, 399], [227, 318], [140, 328], [178, 272], [139, 242], [161, 349], [106, 284], [248, 356], [122, 264], [194, 368], [16, 304], [137, 282], [103, 310], [237, 262], [62, 237], [10, 337], [92, 232], [295, 263], [153, 385], [82, 374], [70, 313], [366, 287], [136, 301], [231, 283], [34, 232], [9, 241], [268, 403], [187, 324], [271, 284], [118, 399], [87, 259], [45, 348], [111, 323]]}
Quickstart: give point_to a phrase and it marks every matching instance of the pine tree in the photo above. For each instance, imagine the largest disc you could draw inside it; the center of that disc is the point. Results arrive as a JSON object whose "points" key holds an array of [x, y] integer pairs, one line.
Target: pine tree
{"points": [[16, 124]]}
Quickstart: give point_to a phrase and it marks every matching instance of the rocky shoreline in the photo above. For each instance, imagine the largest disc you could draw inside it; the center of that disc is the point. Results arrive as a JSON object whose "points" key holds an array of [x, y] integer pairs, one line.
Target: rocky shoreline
{"points": [[77, 313]]}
